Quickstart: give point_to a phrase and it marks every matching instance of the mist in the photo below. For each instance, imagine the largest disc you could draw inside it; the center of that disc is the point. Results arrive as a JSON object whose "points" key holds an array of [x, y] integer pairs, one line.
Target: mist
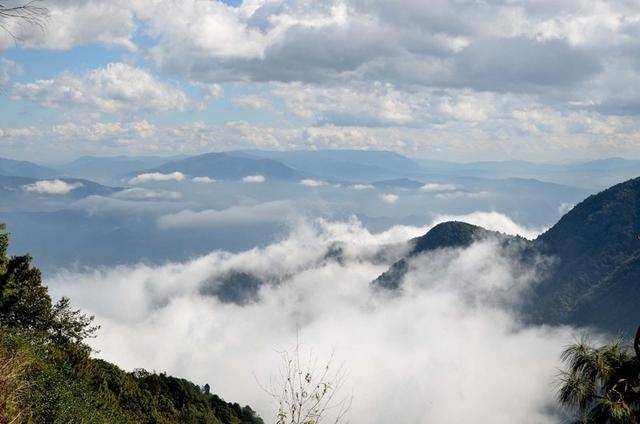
{"points": [[446, 348]]}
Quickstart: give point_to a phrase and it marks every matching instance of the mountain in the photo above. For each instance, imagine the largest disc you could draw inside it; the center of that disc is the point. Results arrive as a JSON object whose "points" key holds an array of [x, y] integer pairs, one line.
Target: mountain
{"points": [[350, 165], [75, 188], [590, 174], [594, 278], [110, 169], [452, 234], [21, 168], [226, 166]]}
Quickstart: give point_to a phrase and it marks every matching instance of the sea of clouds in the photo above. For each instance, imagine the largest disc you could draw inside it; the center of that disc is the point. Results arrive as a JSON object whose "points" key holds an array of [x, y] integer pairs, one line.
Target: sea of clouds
{"points": [[447, 348]]}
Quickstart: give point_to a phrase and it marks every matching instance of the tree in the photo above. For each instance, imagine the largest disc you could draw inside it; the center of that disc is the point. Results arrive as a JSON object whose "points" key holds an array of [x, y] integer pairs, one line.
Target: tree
{"points": [[25, 303], [306, 392], [602, 385]]}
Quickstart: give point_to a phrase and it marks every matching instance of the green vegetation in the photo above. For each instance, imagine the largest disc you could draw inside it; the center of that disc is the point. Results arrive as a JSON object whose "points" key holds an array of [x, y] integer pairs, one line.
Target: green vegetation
{"points": [[602, 385], [597, 250], [48, 376]]}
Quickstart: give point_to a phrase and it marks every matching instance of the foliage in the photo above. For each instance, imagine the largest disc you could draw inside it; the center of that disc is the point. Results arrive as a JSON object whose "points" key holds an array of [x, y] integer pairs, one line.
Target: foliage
{"points": [[47, 374], [12, 386], [602, 385]]}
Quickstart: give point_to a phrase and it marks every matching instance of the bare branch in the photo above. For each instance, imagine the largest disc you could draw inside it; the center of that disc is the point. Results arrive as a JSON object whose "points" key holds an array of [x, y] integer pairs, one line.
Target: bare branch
{"points": [[306, 392], [29, 13]]}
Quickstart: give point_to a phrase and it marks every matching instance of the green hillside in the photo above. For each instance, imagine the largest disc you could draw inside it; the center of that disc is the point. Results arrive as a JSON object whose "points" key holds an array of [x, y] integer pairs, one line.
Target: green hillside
{"points": [[594, 279], [47, 374]]}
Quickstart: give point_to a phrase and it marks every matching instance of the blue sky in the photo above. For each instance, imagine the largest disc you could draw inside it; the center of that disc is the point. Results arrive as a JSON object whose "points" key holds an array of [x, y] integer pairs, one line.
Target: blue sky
{"points": [[450, 80]]}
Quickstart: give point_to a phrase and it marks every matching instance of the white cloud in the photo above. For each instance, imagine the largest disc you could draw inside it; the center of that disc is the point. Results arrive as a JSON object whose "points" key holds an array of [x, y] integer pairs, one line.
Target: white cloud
{"points": [[524, 134], [145, 194], [157, 176], [73, 23], [313, 183], [203, 180], [374, 104], [117, 88], [431, 187], [8, 68], [394, 348], [565, 207], [254, 179], [389, 198], [362, 187], [52, 187], [262, 213], [252, 102], [452, 80]]}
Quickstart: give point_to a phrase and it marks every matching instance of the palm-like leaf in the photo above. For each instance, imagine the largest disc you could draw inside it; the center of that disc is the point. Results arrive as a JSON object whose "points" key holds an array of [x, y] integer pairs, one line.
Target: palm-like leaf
{"points": [[602, 385]]}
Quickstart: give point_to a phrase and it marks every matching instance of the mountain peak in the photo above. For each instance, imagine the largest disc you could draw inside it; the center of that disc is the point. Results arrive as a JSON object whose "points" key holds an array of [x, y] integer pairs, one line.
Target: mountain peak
{"points": [[449, 234]]}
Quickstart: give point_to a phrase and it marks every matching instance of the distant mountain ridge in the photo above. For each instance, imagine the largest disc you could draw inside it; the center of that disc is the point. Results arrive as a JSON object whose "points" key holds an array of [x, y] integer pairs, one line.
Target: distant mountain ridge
{"points": [[599, 173], [352, 165], [22, 168], [110, 169], [226, 166], [595, 277], [80, 187]]}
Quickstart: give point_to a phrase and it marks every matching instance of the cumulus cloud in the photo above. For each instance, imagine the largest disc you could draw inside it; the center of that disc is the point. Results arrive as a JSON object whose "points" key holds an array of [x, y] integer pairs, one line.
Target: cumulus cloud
{"points": [[431, 187], [72, 23], [262, 213], [312, 183], [389, 197], [421, 345], [203, 180], [526, 132], [362, 187], [456, 80], [116, 88], [252, 102], [51, 187], [145, 194], [376, 104], [157, 176], [254, 179]]}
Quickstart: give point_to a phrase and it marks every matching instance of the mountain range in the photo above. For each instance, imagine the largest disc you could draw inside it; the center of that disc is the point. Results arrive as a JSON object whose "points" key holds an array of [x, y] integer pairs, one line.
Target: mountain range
{"points": [[16, 188], [226, 166], [332, 165], [595, 261], [22, 168]]}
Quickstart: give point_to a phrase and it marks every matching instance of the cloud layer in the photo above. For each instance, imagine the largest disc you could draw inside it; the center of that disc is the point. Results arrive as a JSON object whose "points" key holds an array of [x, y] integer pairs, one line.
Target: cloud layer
{"points": [[446, 349]]}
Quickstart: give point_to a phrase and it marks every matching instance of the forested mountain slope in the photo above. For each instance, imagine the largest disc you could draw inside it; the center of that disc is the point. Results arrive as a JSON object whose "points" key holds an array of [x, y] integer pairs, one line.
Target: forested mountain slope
{"points": [[594, 276]]}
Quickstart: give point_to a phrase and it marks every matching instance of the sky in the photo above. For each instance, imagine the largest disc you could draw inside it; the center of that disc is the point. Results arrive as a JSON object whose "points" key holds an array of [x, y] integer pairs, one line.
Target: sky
{"points": [[452, 80]]}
